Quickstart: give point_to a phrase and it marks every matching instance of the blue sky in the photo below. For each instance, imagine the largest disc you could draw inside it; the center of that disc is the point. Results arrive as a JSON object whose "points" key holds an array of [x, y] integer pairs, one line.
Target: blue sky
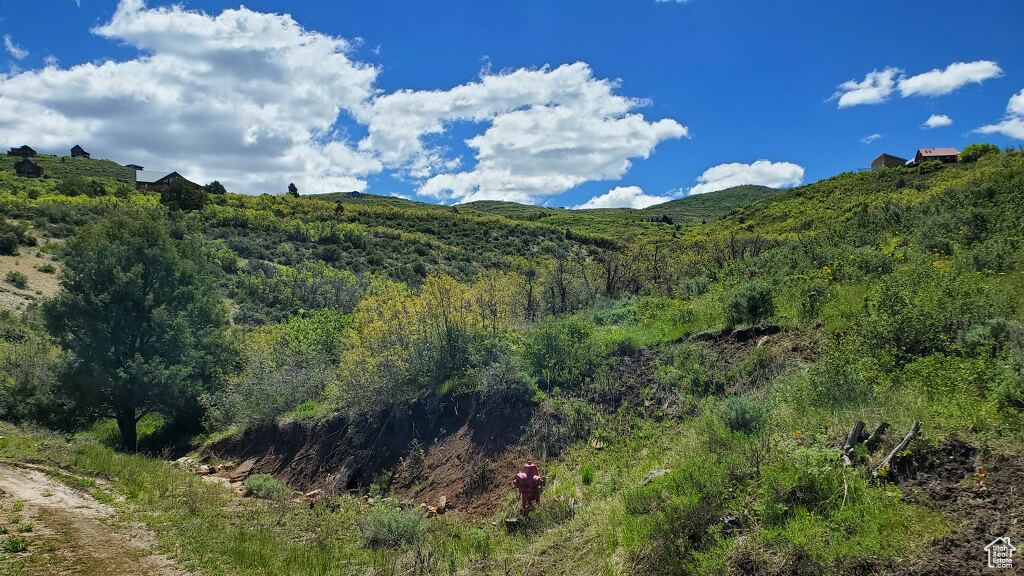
{"points": [[637, 97]]}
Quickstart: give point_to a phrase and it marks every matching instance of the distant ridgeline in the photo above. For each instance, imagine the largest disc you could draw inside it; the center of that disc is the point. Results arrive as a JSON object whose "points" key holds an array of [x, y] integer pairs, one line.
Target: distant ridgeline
{"points": [[60, 167]]}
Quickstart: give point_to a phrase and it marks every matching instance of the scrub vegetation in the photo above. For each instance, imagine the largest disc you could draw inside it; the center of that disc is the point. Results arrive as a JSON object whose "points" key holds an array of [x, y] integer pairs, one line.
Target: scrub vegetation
{"points": [[687, 387]]}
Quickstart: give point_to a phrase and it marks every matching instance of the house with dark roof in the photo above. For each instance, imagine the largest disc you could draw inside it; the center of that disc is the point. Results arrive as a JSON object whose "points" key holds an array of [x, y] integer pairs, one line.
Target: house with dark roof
{"points": [[28, 169], [23, 151], [79, 152], [887, 161], [157, 181], [135, 167], [944, 155]]}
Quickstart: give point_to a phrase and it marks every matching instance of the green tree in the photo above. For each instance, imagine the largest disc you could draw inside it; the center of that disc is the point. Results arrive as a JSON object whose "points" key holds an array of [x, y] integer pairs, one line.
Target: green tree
{"points": [[216, 188], [293, 190], [141, 319], [183, 195], [973, 152]]}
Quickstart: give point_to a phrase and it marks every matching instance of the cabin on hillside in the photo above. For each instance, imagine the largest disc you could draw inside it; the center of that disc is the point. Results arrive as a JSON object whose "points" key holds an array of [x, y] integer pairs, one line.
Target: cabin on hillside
{"points": [[79, 152], [944, 155], [28, 169], [157, 181], [135, 167], [887, 161], [23, 152]]}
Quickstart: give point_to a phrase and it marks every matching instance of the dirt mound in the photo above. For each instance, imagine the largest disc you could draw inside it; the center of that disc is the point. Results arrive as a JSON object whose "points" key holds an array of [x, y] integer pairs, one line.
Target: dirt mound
{"points": [[981, 494]]}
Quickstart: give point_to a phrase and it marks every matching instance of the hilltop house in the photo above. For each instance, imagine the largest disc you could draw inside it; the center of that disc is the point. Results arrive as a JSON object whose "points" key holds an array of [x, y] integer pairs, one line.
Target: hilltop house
{"points": [[887, 161], [79, 152], [944, 155], [24, 152], [135, 167], [157, 181], [28, 169]]}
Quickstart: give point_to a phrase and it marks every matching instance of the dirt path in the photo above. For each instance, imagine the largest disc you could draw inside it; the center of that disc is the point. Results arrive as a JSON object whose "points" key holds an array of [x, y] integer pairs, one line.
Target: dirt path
{"points": [[69, 532]]}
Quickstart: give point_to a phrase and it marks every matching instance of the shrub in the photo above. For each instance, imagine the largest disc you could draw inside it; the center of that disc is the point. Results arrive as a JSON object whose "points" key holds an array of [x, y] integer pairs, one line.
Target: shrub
{"points": [[973, 152], [8, 244], [267, 487], [505, 389], [389, 526], [559, 351], [752, 303], [16, 279], [558, 424], [46, 268], [14, 545], [742, 414]]}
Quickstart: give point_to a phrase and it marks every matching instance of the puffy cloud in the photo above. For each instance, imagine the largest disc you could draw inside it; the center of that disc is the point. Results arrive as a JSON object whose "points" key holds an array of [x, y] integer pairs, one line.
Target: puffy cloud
{"points": [[256, 101], [547, 130], [1013, 124], [244, 97], [955, 76], [16, 52], [878, 85], [875, 88], [623, 197], [762, 172], [937, 121], [870, 138]]}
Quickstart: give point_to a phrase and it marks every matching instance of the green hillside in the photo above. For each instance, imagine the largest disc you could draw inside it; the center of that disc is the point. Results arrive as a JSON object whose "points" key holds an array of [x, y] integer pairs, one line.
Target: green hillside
{"points": [[60, 167], [689, 390]]}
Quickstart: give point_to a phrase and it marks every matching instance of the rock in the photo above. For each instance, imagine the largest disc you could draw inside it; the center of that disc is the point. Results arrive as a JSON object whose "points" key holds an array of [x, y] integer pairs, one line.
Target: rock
{"points": [[314, 494], [654, 474], [442, 504], [431, 511], [243, 470]]}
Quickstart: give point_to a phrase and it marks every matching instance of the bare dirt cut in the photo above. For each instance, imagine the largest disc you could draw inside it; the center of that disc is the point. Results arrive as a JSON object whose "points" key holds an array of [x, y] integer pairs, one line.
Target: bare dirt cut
{"points": [[982, 495], [66, 531]]}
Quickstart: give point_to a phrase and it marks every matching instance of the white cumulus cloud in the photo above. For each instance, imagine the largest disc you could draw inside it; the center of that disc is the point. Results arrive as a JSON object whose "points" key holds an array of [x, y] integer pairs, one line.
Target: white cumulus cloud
{"points": [[955, 76], [878, 85], [1013, 124], [875, 88], [761, 172], [244, 97], [544, 131], [623, 197], [870, 138], [16, 52], [937, 121], [256, 101]]}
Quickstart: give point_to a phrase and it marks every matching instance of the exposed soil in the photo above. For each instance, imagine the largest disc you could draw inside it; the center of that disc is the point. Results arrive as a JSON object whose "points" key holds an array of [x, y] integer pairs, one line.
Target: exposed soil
{"points": [[437, 447], [981, 494], [40, 284], [70, 532]]}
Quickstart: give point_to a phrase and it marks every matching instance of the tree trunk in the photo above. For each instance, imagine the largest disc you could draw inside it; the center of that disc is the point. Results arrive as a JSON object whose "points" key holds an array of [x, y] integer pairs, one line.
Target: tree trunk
{"points": [[899, 448], [850, 446], [876, 437], [129, 434]]}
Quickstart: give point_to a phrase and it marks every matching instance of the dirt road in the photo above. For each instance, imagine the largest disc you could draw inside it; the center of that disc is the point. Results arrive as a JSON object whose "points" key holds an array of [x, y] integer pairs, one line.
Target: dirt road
{"points": [[66, 531]]}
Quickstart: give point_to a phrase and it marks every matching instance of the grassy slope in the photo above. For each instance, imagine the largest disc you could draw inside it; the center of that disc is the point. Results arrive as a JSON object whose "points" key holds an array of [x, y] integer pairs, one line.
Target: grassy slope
{"points": [[57, 167], [618, 222]]}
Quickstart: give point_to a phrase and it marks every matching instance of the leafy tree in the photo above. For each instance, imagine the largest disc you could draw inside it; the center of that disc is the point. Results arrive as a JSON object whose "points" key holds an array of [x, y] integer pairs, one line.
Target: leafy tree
{"points": [[141, 320], [973, 152], [183, 195], [215, 188], [293, 190]]}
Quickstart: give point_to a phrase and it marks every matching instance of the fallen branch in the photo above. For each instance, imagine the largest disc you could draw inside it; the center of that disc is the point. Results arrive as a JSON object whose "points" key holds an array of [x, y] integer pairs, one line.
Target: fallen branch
{"points": [[899, 448]]}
